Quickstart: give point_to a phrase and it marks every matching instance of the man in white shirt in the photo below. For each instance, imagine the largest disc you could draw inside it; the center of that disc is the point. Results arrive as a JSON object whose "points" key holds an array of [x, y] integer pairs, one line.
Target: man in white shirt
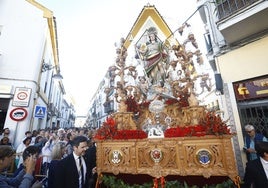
{"points": [[71, 172]]}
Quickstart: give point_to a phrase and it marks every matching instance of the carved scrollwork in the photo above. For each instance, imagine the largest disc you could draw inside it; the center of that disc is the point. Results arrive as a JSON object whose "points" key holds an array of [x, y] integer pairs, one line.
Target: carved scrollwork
{"points": [[190, 153], [209, 156], [217, 155]]}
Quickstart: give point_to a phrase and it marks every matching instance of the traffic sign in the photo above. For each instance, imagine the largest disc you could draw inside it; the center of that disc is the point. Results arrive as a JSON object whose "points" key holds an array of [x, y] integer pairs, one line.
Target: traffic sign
{"points": [[21, 97], [18, 114], [40, 111]]}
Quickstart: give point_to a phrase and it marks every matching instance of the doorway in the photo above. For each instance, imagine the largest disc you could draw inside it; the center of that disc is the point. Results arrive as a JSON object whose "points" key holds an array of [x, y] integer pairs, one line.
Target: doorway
{"points": [[254, 113], [4, 103]]}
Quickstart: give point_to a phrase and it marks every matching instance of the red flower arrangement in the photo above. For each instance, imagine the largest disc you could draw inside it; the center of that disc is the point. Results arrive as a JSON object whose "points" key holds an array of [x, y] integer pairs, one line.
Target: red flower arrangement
{"points": [[197, 130], [130, 134], [109, 131], [212, 125]]}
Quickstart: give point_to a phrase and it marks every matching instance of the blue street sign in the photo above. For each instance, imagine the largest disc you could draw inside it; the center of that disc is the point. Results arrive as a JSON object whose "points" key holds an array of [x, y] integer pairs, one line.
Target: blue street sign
{"points": [[40, 111]]}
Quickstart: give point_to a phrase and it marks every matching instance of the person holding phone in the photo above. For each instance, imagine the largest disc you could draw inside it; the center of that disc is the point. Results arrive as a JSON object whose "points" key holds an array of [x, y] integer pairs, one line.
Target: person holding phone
{"points": [[25, 177]]}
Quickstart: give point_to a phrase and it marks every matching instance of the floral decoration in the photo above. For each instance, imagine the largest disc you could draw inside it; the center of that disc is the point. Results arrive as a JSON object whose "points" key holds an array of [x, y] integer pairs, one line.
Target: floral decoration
{"points": [[211, 125], [109, 130], [113, 182], [130, 134]]}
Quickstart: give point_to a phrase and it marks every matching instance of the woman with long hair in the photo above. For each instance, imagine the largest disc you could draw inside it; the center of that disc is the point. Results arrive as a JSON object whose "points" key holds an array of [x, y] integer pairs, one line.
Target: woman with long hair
{"points": [[58, 151]]}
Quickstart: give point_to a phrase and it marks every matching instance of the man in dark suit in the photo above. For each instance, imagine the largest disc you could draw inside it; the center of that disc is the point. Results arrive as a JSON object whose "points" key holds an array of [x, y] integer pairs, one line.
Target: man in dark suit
{"points": [[256, 174], [90, 158], [72, 170]]}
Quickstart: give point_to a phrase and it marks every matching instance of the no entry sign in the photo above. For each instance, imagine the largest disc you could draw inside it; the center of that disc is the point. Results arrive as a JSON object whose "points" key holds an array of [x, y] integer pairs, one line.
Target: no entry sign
{"points": [[18, 114]]}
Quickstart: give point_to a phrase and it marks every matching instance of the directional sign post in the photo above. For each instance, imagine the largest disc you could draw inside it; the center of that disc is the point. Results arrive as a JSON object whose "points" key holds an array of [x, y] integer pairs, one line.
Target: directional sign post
{"points": [[40, 111]]}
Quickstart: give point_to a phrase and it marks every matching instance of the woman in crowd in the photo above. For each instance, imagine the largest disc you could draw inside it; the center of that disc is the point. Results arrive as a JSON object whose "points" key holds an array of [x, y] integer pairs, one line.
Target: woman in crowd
{"points": [[57, 154], [5, 141], [69, 137], [46, 152], [25, 143]]}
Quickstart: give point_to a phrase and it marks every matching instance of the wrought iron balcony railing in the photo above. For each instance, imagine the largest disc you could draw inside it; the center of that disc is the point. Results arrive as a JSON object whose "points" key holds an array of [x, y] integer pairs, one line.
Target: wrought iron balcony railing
{"points": [[228, 7]]}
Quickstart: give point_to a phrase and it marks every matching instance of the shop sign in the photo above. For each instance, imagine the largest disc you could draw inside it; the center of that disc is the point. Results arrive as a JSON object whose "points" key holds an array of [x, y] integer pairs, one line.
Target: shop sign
{"points": [[251, 89]]}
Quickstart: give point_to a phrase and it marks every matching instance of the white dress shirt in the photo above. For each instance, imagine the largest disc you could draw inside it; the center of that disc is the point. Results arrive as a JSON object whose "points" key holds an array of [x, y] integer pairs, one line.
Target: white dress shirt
{"points": [[265, 166], [76, 157]]}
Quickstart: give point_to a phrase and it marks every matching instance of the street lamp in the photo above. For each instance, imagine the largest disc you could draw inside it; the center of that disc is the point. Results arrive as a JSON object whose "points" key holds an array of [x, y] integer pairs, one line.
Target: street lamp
{"points": [[57, 76], [46, 67]]}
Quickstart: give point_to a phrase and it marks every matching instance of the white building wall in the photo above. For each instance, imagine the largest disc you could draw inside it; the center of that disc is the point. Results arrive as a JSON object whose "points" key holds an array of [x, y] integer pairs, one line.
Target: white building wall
{"points": [[22, 40]]}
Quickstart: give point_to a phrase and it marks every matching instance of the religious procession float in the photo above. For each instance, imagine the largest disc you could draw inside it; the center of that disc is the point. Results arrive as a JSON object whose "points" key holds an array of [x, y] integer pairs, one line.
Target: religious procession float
{"points": [[160, 136]]}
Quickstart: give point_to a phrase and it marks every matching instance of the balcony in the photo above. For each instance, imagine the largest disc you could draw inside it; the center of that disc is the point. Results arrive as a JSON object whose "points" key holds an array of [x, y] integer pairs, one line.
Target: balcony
{"points": [[228, 7], [242, 20], [52, 109]]}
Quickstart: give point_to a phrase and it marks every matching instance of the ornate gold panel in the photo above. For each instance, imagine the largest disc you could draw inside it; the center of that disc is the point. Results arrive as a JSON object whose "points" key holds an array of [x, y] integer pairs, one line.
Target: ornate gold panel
{"points": [[202, 156]]}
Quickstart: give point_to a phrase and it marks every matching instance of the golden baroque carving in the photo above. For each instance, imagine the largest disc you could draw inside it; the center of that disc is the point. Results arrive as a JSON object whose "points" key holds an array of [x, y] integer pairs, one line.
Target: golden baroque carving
{"points": [[173, 156]]}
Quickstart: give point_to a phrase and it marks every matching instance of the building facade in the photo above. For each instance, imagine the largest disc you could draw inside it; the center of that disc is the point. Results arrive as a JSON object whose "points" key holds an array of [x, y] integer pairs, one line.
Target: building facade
{"points": [[31, 87], [237, 38]]}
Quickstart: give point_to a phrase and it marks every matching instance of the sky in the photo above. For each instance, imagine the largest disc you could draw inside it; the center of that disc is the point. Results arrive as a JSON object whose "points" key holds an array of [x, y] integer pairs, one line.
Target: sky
{"points": [[88, 29]]}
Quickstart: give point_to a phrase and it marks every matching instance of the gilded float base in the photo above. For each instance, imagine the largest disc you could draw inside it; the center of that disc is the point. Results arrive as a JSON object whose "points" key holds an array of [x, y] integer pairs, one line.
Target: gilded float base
{"points": [[184, 156]]}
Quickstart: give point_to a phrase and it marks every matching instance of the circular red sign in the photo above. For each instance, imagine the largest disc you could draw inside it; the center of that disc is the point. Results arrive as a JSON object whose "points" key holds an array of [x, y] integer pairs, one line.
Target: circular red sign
{"points": [[18, 114], [22, 95]]}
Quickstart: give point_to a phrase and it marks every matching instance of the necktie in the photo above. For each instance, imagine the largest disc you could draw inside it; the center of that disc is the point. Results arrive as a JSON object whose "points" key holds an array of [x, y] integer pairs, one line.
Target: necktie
{"points": [[81, 171]]}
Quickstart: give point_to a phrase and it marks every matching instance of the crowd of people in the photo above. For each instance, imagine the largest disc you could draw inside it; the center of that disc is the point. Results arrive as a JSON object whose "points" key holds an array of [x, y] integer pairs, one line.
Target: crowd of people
{"points": [[49, 158]]}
